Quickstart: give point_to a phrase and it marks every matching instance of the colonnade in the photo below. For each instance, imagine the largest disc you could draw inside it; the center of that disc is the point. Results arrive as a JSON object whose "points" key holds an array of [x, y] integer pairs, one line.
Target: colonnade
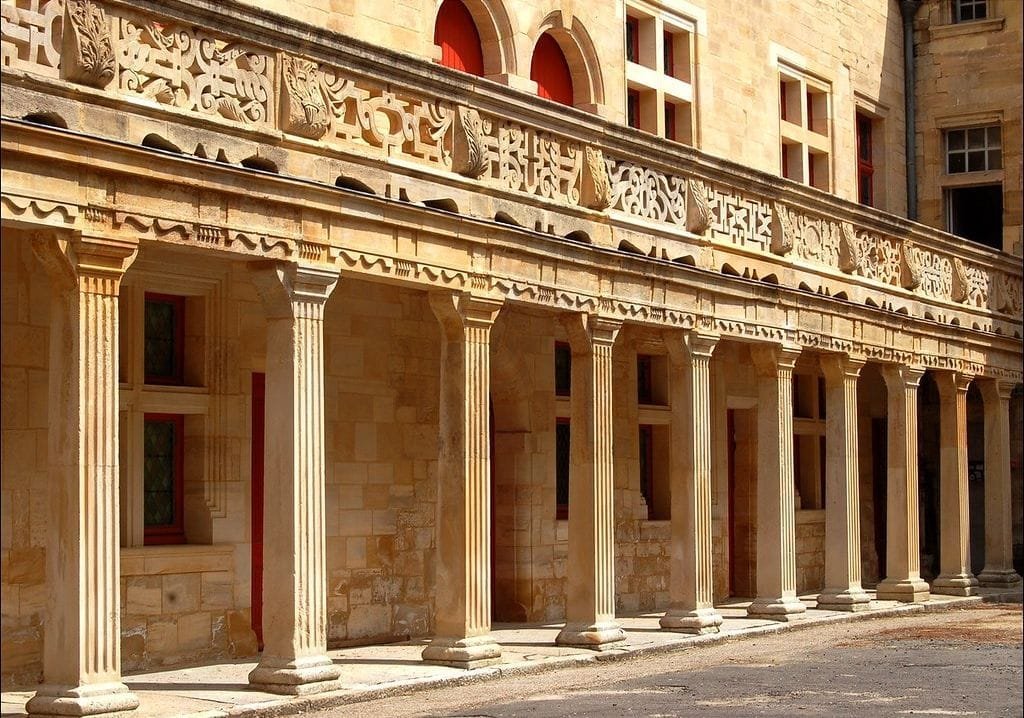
{"points": [[81, 658]]}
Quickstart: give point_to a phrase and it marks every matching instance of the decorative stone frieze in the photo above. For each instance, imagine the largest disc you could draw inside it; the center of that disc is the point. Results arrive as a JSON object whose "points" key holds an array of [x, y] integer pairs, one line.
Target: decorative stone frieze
{"points": [[647, 193], [595, 191], [303, 109], [88, 56], [698, 208], [590, 598], [955, 577], [469, 152], [463, 584], [776, 494], [691, 577], [82, 650], [294, 659], [902, 534], [851, 255], [910, 266], [784, 229], [843, 591]]}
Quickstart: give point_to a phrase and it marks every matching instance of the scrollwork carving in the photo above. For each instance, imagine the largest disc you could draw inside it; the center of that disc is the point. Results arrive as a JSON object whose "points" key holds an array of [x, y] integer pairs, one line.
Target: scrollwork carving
{"points": [[469, 151], [303, 109], [647, 193], [88, 54], [596, 188]]}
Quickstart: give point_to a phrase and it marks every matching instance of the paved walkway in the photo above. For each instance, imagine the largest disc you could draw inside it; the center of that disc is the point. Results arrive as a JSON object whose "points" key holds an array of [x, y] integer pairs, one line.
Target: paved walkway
{"points": [[376, 671]]}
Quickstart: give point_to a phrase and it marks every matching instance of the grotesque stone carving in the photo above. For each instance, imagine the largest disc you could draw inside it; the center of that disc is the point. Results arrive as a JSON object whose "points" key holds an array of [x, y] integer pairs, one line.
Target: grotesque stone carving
{"points": [[961, 286], [851, 256], [469, 151], [88, 56], [910, 266], [698, 209], [303, 109], [596, 190], [784, 229]]}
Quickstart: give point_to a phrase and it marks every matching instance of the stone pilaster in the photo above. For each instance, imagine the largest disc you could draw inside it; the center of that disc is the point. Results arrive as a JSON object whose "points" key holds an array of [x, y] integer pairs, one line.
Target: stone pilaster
{"points": [[776, 493], [590, 603], [691, 581], [463, 586], [294, 659], [843, 591], [955, 577], [998, 571], [902, 533], [82, 651]]}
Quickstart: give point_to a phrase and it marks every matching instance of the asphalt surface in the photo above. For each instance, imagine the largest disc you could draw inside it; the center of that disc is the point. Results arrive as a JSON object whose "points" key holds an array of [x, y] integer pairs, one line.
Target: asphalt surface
{"points": [[955, 663]]}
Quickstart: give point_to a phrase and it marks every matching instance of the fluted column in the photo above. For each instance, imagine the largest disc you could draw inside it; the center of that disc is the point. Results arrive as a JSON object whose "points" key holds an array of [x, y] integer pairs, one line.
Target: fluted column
{"points": [[294, 659], [776, 492], [998, 571], [590, 604], [843, 591], [691, 581], [902, 533], [82, 650], [955, 577], [463, 587]]}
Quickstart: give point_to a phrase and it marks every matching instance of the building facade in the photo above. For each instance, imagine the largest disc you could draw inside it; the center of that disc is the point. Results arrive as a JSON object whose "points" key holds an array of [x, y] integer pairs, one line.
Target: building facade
{"points": [[328, 323]]}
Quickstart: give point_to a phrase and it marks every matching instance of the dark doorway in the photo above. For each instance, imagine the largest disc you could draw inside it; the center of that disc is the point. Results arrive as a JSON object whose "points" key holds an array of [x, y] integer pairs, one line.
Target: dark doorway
{"points": [[258, 423], [880, 486], [977, 213]]}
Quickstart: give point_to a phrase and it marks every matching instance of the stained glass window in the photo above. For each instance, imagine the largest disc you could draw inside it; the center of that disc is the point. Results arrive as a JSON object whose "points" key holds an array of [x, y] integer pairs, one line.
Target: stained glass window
{"points": [[164, 338]]}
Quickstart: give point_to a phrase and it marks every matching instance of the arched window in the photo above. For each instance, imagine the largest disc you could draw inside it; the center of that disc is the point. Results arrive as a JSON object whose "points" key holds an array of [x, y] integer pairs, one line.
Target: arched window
{"points": [[550, 70], [456, 33]]}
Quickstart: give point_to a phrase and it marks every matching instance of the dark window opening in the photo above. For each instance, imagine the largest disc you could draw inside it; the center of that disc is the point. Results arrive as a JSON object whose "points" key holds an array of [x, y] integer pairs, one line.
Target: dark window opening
{"points": [[163, 478], [632, 39], [644, 379], [670, 121], [865, 163], [563, 369], [633, 108], [976, 213], [562, 463], [967, 10], [164, 339], [647, 465], [974, 149], [669, 55]]}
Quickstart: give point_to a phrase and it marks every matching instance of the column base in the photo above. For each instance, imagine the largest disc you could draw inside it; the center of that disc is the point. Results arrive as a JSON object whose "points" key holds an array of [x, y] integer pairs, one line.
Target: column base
{"points": [[295, 677], [907, 590], [999, 578], [839, 599], [963, 584], [776, 608], [91, 700], [467, 653], [595, 636], [697, 622]]}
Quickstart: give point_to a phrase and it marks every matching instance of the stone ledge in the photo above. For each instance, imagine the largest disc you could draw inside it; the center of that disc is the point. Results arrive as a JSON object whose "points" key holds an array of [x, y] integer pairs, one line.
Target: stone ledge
{"points": [[184, 558]]}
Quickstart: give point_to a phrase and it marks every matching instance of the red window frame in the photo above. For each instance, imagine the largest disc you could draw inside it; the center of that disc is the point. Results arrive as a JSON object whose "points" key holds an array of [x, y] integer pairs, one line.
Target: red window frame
{"points": [[550, 70], [670, 121], [178, 377], [456, 33], [669, 54], [632, 39], [865, 164], [173, 533], [633, 108]]}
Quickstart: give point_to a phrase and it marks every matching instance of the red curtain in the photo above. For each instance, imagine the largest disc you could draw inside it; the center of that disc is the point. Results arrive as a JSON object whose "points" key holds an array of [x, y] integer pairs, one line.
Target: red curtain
{"points": [[550, 71]]}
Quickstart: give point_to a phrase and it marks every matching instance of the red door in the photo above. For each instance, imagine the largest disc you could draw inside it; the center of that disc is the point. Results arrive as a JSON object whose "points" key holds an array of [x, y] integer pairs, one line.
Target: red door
{"points": [[551, 72], [258, 407]]}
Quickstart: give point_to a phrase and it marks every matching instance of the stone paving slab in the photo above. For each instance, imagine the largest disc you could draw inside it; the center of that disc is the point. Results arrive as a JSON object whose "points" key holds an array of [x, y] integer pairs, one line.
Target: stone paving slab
{"points": [[369, 672]]}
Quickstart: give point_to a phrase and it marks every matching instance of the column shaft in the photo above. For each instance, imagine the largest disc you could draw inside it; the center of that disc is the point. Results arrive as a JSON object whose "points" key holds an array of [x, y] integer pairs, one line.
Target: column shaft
{"points": [[81, 655], [691, 580], [903, 553], [776, 493], [463, 586], [294, 659], [955, 577], [843, 589], [590, 605], [998, 571]]}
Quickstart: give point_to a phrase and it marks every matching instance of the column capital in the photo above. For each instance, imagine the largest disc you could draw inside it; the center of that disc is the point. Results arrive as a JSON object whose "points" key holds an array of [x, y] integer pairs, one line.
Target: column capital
{"points": [[70, 258], [685, 347], [280, 284], [837, 366], [897, 376], [588, 330], [952, 382], [995, 389], [769, 359], [458, 310]]}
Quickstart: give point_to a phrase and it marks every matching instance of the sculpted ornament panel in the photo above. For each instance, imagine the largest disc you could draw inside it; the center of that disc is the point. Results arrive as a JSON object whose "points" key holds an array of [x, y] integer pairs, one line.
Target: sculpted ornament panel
{"points": [[596, 189], [647, 193], [88, 55], [303, 109], [469, 153], [30, 34]]}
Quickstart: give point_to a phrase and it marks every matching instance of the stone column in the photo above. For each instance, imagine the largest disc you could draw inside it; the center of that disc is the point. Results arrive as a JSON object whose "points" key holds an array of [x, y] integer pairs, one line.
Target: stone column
{"points": [[776, 491], [82, 649], [294, 660], [590, 604], [843, 591], [463, 586], [902, 531], [998, 571], [691, 581], [955, 577]]}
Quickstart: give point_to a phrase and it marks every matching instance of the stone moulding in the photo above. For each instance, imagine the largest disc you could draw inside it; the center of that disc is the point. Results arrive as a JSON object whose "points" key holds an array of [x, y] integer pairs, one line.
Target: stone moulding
{"points": [[303, 109], [88, 56]]}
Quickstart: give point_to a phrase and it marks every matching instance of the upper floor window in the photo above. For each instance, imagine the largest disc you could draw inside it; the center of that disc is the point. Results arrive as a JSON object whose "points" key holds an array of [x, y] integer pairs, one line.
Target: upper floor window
{"points": [[967, 10], [865, 160], [164, 339], [805, 128], [974, 149], [455, 32], [550, 70]]}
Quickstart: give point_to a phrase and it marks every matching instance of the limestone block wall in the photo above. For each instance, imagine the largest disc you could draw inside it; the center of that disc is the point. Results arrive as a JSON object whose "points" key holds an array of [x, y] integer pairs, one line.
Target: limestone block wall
{"points": [[810, 550], [382, 354], [24, 310]]}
